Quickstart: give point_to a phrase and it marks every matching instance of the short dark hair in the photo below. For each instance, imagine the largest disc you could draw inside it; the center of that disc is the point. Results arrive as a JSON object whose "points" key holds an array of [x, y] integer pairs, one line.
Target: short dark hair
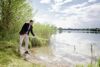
{"points": [[31, 21]]}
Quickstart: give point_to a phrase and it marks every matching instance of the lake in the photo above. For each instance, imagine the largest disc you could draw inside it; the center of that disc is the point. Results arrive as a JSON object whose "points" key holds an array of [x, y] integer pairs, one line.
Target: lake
{"points": [[69, 48], [76, 46]]}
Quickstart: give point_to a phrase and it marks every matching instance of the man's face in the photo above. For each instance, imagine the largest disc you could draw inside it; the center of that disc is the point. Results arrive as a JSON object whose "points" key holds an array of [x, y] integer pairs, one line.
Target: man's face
{"points": [[31, 23]]}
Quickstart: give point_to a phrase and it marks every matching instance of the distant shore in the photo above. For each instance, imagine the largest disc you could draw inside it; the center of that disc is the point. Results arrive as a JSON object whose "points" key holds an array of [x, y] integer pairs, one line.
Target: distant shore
{"points": [[84, 30]]}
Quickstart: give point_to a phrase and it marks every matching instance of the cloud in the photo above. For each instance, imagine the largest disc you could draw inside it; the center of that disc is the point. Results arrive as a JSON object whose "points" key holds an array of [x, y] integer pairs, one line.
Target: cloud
{"points": [[54, 8], [80, 15], [45, 1], [43, 18], [61, 2], [80, 9], [58, 1], [69, 22], [76, 10], [58, 4], [92, 13], [86, 14], [91, 0]]}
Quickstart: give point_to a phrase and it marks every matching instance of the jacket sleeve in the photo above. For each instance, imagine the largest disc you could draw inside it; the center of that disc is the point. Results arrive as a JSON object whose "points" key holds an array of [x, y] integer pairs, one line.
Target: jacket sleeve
{"points": [[32, 31]]}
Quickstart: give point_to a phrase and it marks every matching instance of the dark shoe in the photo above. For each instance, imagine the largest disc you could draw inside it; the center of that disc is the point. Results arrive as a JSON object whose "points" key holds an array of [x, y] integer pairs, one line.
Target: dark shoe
{"points": [[26, 52]]}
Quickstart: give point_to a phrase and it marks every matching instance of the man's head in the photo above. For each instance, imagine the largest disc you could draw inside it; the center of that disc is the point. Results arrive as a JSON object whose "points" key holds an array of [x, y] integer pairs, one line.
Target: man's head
{"points": [[31, 22]]}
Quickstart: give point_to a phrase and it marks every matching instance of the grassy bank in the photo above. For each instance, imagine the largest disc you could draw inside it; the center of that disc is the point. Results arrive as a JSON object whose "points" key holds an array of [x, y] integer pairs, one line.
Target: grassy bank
{"points": [[9, 57], [96, 64]]}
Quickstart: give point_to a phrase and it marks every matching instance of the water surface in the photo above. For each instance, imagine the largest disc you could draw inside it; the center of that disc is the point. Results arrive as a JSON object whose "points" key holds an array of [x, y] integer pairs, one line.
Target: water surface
{"points": [[75, 47], [72, 48]]}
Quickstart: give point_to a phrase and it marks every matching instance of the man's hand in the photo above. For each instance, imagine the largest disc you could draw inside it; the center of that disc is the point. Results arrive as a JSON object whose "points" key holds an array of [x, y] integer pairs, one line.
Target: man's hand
{"points": [[34, 37]]}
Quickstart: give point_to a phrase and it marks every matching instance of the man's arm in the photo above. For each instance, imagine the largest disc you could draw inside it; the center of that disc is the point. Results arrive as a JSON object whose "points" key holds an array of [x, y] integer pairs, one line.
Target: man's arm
{"points": [[32, 31]]}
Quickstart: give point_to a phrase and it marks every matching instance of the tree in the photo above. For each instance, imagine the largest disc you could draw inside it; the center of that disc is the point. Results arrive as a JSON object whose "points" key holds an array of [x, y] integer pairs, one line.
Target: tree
{"points": [[12, 15]]}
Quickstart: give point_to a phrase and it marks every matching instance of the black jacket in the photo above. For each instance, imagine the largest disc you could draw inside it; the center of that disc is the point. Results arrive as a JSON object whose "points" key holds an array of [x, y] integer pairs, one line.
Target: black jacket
{"points": [[25, 29]]}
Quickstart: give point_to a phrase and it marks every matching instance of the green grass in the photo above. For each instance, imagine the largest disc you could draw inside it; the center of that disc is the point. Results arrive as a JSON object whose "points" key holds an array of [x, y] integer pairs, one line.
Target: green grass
{"points": [[43, 34], [9, 57], [79, 65], [96, 64], [43, 30]]}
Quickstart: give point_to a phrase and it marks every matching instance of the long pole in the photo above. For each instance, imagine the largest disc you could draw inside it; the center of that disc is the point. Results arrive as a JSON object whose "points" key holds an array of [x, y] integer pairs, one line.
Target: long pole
{"points": [[91, 55]]}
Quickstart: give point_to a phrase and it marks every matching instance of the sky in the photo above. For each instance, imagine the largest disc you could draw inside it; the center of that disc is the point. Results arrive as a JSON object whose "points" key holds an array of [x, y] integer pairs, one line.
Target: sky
{"points": [[67, 13]]}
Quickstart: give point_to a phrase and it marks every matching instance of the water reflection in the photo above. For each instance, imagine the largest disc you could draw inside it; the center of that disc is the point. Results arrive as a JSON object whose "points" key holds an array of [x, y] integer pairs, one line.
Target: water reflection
{"points": [[76, 46]]}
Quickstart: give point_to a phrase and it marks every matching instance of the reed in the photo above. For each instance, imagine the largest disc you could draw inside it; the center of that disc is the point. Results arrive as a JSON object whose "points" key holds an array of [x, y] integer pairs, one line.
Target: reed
{"points": [[43, 33]]}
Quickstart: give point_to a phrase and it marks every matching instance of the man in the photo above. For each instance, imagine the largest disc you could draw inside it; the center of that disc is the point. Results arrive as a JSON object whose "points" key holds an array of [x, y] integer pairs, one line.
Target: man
{"points": [[27, 27]]}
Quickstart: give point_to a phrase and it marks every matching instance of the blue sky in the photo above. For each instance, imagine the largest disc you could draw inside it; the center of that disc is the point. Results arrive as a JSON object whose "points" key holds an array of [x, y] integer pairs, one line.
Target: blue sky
{"points": [[68, 13]]}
